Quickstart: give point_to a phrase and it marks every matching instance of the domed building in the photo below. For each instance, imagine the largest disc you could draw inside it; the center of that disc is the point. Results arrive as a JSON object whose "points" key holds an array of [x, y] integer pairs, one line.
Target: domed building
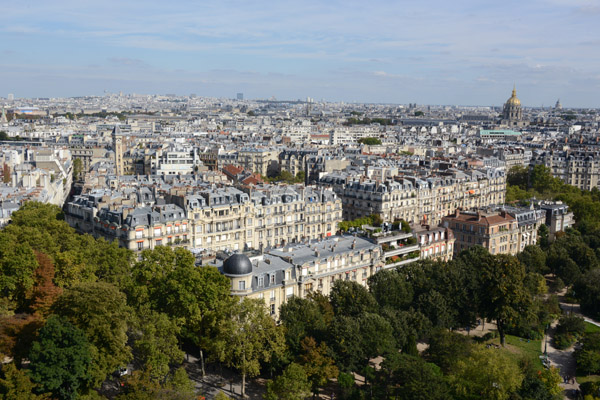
{"points": [[512, 114]]}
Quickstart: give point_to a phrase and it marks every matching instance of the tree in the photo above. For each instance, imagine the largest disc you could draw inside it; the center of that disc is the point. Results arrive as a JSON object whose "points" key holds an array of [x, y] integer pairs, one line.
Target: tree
{"points": [[518, 176], [447, 348], [17, 266], [370, 141], [587, 290], [140, 386], [302, 318], [409, 377], [390, 289], [44, 292], [15, 384], [534, 259], [318, 367], [376, 336], [503, 294], [155, 344], [77, 168], [250, 337], [60, 360], [292, 384], [197, 299], [486, 374], [100, 310], [6, 178], [351, 298], [345, 342]]}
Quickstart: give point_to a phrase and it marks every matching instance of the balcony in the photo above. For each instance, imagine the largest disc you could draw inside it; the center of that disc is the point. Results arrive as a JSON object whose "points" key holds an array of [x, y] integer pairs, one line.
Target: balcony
{"points": [[401, 250]]}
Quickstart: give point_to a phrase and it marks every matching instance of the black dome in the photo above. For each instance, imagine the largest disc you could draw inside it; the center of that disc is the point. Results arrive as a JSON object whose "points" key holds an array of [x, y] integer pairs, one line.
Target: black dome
{"points": [[237, 264]]}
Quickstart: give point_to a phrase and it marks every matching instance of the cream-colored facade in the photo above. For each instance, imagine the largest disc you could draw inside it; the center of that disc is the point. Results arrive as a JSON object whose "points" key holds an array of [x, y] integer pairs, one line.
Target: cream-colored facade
{"points": [[415, 200], [300, 269], [497, 232], [260, 161], [264, 217]]}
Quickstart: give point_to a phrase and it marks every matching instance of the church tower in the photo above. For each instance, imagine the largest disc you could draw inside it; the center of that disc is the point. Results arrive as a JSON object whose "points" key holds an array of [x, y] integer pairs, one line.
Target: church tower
{"points": [[512, 114], [117, 140]]}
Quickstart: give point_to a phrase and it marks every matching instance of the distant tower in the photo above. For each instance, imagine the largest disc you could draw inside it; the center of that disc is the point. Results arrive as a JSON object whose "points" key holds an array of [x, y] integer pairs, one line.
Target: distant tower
{"points": [[117, 139], [240, 96], [11, 97], [3, 119], [512, 114], [558, 106]]}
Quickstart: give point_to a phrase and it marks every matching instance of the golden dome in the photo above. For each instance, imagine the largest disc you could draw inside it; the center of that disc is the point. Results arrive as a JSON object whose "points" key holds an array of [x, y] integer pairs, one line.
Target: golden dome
{"points": [[513, 101]]}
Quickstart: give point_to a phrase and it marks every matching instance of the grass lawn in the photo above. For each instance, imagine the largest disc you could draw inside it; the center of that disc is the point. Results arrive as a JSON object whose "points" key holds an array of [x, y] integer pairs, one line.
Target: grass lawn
{"points": [[591, 328], [520, 348], [591, 378]]}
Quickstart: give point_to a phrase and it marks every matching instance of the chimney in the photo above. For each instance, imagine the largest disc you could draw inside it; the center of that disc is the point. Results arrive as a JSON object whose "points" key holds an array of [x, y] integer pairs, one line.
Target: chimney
{"points": [[354, 244], [457, 213]]}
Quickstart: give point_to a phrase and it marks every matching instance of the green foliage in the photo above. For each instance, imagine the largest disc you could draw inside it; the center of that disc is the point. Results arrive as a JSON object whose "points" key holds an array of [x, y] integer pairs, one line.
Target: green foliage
{"points": [[250, 337], [351, 298], [287, 177], [292, 384], [77, 168], [409, 377], [534, 259], [504, 297], [302, 318], [568, 330], [344, 226], [588, 355], [60, 359], [100, 310], [486, 373], [370, 141], [15, 384], [196, 298], [390, 289], [141, 386], [587, 290], [155, 343], [318, 366], [367, 121], [447, 348]]}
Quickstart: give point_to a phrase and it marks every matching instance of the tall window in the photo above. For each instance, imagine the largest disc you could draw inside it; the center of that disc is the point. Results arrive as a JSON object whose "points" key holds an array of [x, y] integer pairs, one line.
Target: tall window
{"points": [[242, 285]]}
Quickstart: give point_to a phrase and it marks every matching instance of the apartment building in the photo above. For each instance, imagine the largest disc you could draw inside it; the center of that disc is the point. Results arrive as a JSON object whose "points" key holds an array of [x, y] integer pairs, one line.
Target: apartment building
{"points": [[578, 168], [497, 232], [416, 199], [529, 221], [299, 269], [558, 218], [262, 161]]}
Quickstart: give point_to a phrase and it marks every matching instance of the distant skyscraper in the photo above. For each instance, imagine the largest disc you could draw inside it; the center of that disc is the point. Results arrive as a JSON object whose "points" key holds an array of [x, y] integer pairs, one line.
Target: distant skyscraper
{"points": [[11, 96], [240, 96]]}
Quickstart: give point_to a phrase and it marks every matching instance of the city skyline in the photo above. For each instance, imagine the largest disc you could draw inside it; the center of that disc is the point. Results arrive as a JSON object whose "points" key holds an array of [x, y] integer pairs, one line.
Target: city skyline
{"points": [[462, 53]]}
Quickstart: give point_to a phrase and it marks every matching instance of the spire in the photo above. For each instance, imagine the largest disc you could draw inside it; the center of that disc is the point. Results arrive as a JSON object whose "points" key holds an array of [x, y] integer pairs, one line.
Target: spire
{"points": [[3, 119], [514, 92]]}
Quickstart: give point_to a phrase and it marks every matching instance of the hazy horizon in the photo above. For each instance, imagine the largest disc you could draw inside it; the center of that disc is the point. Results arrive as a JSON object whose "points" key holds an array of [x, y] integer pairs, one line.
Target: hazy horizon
{"points": [[435, 52]]}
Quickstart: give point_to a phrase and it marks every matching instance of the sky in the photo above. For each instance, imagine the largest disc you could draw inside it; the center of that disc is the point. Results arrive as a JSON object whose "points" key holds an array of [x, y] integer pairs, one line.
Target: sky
{"points": [[426, 52]]}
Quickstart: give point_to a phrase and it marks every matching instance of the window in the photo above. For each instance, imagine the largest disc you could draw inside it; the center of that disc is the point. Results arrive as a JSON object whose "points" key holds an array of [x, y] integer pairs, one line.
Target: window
{"points": [[261, 281], [242, 285], [273, 279], [139, 234], [140, 245], [272, 309]]}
